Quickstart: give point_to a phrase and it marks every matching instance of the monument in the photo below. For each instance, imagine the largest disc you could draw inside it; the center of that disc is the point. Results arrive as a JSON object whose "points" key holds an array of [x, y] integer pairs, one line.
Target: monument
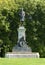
{"points": [[21, 43], [21, 49]]}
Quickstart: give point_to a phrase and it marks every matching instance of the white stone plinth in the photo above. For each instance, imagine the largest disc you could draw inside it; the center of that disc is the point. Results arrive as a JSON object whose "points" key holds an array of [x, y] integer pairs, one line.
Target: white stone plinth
{"points": [[22, 55]]}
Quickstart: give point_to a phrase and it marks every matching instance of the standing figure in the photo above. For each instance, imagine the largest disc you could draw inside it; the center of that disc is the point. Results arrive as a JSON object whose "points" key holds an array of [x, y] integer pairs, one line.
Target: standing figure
{"points": [[22, 15]]}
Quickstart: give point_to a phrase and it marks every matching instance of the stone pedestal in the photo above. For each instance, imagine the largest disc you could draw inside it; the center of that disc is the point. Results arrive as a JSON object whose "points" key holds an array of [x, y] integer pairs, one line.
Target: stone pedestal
{"points": [[22, 55], [21, 50], [21, 43], [21, 32]]}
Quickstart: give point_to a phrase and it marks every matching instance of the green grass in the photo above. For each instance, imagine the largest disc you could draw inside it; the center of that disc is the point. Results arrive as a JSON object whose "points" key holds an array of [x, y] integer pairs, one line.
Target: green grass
{"points": [[22, 61]]}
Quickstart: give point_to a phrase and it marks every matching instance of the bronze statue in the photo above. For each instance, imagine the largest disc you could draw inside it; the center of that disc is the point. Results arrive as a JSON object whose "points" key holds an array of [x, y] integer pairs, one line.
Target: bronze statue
{"points": [[22, 15]]}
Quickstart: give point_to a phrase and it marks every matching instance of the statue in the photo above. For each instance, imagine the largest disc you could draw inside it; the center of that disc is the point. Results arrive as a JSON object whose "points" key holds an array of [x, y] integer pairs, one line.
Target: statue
{"points": [[22, 15], [21, 41]]}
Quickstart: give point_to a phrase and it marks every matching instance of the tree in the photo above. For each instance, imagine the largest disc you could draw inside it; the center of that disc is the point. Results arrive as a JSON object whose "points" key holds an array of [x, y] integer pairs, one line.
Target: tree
{"points": [[35, 23]]}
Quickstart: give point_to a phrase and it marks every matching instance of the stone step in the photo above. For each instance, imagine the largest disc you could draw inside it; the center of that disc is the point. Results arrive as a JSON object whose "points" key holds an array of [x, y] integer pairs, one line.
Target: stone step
{"points": [[22, 55]]}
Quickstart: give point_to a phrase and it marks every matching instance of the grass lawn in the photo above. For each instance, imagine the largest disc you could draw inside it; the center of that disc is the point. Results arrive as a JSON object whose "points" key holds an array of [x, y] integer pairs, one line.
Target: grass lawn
{"points": [[22, 61]]}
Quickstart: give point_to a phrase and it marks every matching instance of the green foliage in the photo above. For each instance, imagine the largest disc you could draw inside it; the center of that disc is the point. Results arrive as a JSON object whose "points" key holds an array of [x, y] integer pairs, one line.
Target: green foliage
{"points": [[35, 28]]}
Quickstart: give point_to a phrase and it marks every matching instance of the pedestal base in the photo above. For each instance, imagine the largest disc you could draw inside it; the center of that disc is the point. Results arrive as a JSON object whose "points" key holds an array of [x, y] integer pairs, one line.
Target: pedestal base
{"points": [[22, 55]]}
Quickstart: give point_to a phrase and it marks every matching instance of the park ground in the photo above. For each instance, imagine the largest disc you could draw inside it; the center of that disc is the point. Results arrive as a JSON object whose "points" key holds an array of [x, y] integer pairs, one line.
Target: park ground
{"points": [[22, 61]]}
